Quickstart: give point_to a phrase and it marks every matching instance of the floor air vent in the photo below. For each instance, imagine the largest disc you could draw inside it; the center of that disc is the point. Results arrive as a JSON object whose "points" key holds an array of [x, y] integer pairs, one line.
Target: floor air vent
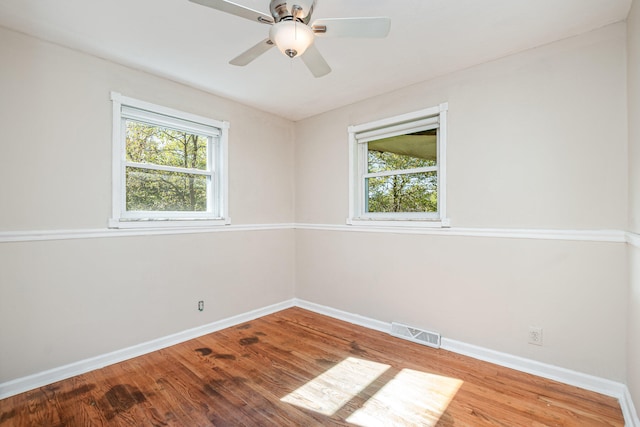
{"points": [[431, 339]]}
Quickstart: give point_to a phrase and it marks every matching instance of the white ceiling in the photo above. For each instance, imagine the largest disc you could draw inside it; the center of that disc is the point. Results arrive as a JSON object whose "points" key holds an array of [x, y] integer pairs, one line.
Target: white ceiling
{"points": [[192, 44]]}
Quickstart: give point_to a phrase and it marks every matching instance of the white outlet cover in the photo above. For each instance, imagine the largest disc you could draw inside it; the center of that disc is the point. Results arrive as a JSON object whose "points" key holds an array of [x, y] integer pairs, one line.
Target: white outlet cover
{"points": [[535, 335]]}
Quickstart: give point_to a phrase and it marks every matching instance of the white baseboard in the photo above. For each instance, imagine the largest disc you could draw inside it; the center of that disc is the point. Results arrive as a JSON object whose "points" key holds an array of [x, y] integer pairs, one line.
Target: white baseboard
{"points": [[566, 376], [629, 412], [40, 379], [356, 319]]}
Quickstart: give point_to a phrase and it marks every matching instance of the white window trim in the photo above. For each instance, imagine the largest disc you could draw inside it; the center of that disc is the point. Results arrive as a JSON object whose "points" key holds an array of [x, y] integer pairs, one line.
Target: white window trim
{"points": [[396, 124], [176, 220]]}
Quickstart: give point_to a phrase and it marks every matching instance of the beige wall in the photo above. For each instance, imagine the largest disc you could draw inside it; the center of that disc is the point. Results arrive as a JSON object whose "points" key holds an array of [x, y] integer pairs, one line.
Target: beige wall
{"points": [[56, 122], [633, 73], [482, 291], [633, 80], [536, 140], [64, 301]]}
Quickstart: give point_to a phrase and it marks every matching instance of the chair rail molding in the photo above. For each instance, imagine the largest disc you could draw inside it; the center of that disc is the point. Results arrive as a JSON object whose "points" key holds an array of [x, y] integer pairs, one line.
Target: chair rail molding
{"points": [[613, 236]]}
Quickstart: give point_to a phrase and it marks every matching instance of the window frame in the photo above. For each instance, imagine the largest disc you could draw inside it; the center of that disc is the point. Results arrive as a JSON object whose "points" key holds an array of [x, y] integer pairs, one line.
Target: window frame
{"points": [[126, 108], [360, 135]]}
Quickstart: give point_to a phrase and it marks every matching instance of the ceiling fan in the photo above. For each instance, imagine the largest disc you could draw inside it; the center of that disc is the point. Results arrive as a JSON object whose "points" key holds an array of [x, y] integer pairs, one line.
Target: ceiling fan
{"points": [[293, 35]]}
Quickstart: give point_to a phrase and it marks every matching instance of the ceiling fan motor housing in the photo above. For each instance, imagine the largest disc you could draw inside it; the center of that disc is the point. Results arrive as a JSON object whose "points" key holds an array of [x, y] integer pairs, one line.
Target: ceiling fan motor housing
{"points": [[300, 10]]}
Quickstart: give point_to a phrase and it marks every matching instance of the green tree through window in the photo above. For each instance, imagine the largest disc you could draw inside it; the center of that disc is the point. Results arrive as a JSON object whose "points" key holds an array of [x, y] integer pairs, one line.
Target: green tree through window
{"points": [[403, 190], [149, 189]]}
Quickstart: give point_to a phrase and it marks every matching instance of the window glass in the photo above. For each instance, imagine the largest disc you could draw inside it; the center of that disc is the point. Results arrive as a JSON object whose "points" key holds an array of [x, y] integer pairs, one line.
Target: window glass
{"points": [[402, 173], [156, 190], [157, 145], [412, 192], [151, 189], [410, 151]]}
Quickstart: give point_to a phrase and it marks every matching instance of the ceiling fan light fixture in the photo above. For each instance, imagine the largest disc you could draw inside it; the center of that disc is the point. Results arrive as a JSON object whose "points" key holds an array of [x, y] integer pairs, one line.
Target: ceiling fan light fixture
{"points": [[291, 37]]}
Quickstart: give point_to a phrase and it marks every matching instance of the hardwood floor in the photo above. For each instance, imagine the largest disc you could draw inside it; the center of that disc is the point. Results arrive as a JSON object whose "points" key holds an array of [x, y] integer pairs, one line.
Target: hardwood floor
{"points": [[297, 368]]}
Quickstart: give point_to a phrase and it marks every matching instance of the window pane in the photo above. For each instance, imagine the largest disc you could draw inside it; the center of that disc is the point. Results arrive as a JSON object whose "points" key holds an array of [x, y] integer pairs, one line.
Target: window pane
{"points": [[413, 192], [162, 146], [401, 152], [152, 190]]}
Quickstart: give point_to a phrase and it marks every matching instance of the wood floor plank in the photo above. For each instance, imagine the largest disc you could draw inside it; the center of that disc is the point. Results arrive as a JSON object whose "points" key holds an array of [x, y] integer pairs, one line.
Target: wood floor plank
{"points": [[298, 368], [266, 371]]}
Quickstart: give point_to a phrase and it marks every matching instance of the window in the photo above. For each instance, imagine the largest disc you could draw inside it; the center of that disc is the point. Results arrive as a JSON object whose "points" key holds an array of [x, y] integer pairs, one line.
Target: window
{"points": [[169, 167], [397, 170]]}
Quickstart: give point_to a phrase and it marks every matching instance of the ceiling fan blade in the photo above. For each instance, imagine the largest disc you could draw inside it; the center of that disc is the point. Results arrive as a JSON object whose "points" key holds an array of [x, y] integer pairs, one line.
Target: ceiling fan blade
{"points": [[314, 61], [252, 53], [352, 27], [236, 9]]}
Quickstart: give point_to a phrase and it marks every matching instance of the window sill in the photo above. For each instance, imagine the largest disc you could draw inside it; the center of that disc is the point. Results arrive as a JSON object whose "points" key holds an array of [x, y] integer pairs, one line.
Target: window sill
{"points": [[167, 223], [404, 222]]}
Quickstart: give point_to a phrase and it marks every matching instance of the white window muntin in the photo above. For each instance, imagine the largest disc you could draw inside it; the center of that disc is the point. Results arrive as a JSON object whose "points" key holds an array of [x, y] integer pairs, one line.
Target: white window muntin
{"points": [[125, 108], [361, 135]]}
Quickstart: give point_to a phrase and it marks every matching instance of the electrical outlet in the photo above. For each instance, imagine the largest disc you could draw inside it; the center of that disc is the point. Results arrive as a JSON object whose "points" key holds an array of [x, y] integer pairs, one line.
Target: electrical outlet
{"points": [[535, 335], [200, 305]]}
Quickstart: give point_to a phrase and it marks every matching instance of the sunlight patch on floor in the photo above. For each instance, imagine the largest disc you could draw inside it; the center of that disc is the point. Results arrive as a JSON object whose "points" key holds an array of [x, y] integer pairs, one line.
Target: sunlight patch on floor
{"points": [[410, 398], [331, 390]]}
